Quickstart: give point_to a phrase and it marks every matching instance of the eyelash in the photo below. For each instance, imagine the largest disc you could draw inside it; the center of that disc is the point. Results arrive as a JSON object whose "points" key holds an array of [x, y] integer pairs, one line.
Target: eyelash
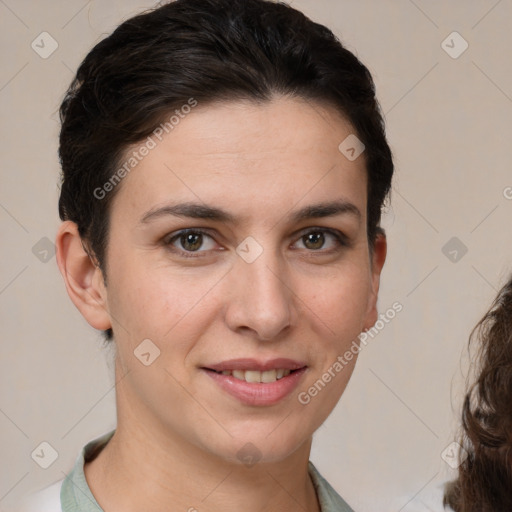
{"points": [[339, 237]]}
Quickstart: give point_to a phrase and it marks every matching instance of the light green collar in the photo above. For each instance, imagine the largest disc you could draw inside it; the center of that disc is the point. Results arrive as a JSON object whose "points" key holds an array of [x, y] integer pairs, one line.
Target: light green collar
{"points": [[75, 495]]}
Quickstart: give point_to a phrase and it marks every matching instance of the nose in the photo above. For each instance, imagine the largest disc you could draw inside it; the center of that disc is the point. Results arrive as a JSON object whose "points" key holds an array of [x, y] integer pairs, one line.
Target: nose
{"points": [[261, 298]]}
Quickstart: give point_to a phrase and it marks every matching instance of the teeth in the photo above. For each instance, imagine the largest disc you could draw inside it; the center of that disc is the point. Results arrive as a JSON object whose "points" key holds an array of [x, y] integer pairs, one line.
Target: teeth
{"points": [[253, 376], [268, 376], [256, 376], [239, 374]]}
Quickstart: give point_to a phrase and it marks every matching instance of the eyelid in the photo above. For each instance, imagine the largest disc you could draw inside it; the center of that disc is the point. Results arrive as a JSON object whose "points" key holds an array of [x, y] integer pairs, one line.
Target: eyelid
{"points": [[168, 240], [341, 239]]}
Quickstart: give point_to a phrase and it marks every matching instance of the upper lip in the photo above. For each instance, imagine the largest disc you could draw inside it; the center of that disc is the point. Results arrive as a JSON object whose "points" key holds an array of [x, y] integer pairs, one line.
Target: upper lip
{"points": [[256, 365]]}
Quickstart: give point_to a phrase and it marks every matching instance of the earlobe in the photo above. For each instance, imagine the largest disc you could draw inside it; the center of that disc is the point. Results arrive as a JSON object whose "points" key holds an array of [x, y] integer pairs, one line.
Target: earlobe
{"points": [[83, 279], [378, 260]]}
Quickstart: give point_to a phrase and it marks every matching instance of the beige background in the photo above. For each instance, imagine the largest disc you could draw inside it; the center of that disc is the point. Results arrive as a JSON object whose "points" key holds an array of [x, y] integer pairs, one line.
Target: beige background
{"points": [[449, 125]]}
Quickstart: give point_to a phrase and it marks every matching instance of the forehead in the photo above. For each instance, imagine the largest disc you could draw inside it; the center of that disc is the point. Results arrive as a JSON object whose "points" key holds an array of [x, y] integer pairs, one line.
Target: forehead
{"points": [[247, 155]]}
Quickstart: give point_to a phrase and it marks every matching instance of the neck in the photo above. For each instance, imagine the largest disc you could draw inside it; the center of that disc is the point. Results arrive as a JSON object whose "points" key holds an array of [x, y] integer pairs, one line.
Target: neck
{"points": [[146, 467]]}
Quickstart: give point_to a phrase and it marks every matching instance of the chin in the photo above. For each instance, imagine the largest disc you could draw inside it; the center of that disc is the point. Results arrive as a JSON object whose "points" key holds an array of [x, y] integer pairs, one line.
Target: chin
{"points": [[259, 447]]}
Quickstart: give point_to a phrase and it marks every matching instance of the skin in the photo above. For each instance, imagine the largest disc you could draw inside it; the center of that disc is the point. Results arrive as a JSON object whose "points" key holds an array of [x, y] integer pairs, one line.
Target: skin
{"points": [[178, 433]]}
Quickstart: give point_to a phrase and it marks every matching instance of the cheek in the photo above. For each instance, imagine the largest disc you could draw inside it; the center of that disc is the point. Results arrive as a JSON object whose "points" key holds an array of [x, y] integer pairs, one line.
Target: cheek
{"points": [[340, 310], [158, 304], [340, 301]]}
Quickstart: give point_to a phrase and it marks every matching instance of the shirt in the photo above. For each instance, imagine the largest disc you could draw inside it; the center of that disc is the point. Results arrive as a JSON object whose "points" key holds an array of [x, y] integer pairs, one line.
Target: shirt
{"points": [[72, 494]]}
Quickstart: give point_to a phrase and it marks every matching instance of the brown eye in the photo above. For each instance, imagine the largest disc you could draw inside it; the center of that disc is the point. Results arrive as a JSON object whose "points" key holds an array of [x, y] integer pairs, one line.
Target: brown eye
{"points": [[191, 241], [314, 240], [317, 239]]}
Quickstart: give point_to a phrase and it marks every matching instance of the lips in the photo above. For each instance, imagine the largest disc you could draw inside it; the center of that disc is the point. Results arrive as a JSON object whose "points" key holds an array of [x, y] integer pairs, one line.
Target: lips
{"points": [[256, 382], [257, 376], [251, 370], [255, 365]]}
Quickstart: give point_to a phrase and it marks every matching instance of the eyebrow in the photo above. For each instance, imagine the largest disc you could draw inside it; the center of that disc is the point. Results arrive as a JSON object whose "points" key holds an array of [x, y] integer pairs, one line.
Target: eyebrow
{"points": [[203, 211]]}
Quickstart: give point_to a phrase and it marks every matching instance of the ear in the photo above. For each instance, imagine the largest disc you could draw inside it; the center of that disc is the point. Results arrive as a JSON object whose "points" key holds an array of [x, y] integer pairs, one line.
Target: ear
{"points": [[83, 278], [378, 259]]}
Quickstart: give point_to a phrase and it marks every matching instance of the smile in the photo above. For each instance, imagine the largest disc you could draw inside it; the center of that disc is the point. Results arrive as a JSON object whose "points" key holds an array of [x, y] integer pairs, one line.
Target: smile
{"points": [[257, 376], [257, 383]]}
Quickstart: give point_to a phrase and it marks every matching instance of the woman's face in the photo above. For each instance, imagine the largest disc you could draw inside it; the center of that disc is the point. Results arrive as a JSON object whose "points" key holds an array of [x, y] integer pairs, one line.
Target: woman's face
{"points": [[265, 272]]}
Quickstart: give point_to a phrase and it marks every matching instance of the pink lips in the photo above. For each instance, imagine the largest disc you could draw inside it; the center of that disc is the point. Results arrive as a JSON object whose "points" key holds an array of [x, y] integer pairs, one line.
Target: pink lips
{"points": [[253, 364], [257, 393]]}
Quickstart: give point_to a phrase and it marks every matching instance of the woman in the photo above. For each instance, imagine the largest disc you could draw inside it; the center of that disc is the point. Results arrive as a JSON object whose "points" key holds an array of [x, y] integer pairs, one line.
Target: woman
{"points": [[484, 483], [224, 166]]}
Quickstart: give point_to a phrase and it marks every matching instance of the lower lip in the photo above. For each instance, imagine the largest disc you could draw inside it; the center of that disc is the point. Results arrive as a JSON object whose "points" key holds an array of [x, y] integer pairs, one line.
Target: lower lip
{"points": [[258, 393]]}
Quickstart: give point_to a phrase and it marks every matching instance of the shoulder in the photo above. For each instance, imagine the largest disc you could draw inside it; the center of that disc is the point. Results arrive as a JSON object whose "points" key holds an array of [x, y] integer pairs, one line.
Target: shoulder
{"points": [[61, 494], [329, 499], [44, 500]]}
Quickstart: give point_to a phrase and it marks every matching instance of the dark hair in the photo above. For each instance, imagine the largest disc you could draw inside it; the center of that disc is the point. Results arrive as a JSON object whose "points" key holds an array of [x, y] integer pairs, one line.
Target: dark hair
{"points": [[484, 482], [204, 51]]}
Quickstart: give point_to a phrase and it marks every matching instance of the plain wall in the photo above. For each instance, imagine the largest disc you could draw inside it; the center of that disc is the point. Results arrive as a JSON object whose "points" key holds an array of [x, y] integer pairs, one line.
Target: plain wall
{"points": [[449, 125]]}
